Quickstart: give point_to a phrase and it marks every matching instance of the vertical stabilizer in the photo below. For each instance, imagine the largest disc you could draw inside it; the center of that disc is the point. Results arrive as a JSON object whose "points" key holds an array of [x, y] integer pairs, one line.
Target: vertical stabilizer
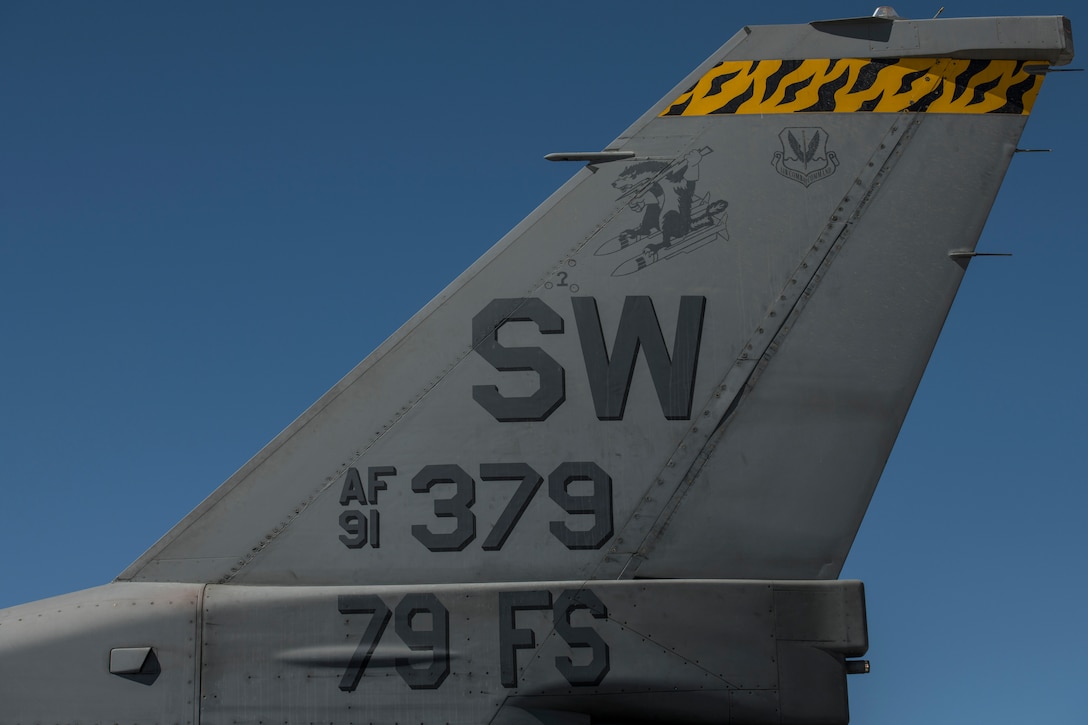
{"points": [[691, 361]]}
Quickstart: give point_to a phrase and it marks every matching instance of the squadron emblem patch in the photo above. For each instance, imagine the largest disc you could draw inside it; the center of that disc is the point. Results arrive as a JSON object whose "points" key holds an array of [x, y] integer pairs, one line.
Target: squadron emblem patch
{"points": [[804, 156]]}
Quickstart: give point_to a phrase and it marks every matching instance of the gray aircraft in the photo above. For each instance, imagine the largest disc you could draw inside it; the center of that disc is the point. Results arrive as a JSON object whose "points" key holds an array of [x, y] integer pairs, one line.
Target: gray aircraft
{"points": [[612, 472]]}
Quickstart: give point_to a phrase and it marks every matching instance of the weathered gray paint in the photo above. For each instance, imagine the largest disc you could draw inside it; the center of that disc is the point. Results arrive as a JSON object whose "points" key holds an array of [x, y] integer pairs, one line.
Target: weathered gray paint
{"points": [[416, 401], [284, 650], [55, 656]]}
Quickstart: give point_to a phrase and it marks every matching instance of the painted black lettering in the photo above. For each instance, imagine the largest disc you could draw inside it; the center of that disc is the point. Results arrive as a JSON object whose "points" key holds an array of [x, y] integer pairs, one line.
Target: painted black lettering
{"points": [[363, 604], [457, 506], [610, 376], [529, 482], [435, 639], [353, 523], [511, 638], [353, 489], [485, 339], [598, 503], [375, 519], [374, 482], [593, 671]]}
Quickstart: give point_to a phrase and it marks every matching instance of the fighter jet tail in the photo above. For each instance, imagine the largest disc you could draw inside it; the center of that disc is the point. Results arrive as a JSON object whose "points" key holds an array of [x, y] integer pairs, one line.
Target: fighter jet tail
{"points": [[692, 361], [601, 476]]}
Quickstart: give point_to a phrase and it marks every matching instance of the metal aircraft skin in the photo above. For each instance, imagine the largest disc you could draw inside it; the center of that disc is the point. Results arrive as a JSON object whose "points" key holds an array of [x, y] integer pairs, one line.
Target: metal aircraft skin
{"points": [[610, 474]]}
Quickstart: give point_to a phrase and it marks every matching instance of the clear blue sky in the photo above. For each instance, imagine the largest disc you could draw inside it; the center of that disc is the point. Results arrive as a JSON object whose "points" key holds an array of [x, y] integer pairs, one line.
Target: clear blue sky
{"points": [[210, 212]]}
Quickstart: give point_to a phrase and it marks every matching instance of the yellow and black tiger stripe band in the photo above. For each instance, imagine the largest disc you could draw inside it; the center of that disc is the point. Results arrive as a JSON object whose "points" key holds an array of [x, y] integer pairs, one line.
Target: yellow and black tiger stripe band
{"points": [[880, 85]]}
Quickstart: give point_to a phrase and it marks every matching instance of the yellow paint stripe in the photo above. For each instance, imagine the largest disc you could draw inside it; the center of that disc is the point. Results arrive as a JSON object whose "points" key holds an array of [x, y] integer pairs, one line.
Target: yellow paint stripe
{"points": [[848, 85]]}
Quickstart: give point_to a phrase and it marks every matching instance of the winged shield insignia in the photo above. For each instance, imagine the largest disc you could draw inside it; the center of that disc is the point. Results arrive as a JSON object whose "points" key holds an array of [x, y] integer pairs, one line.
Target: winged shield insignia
{"points": [[804, 156]]}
